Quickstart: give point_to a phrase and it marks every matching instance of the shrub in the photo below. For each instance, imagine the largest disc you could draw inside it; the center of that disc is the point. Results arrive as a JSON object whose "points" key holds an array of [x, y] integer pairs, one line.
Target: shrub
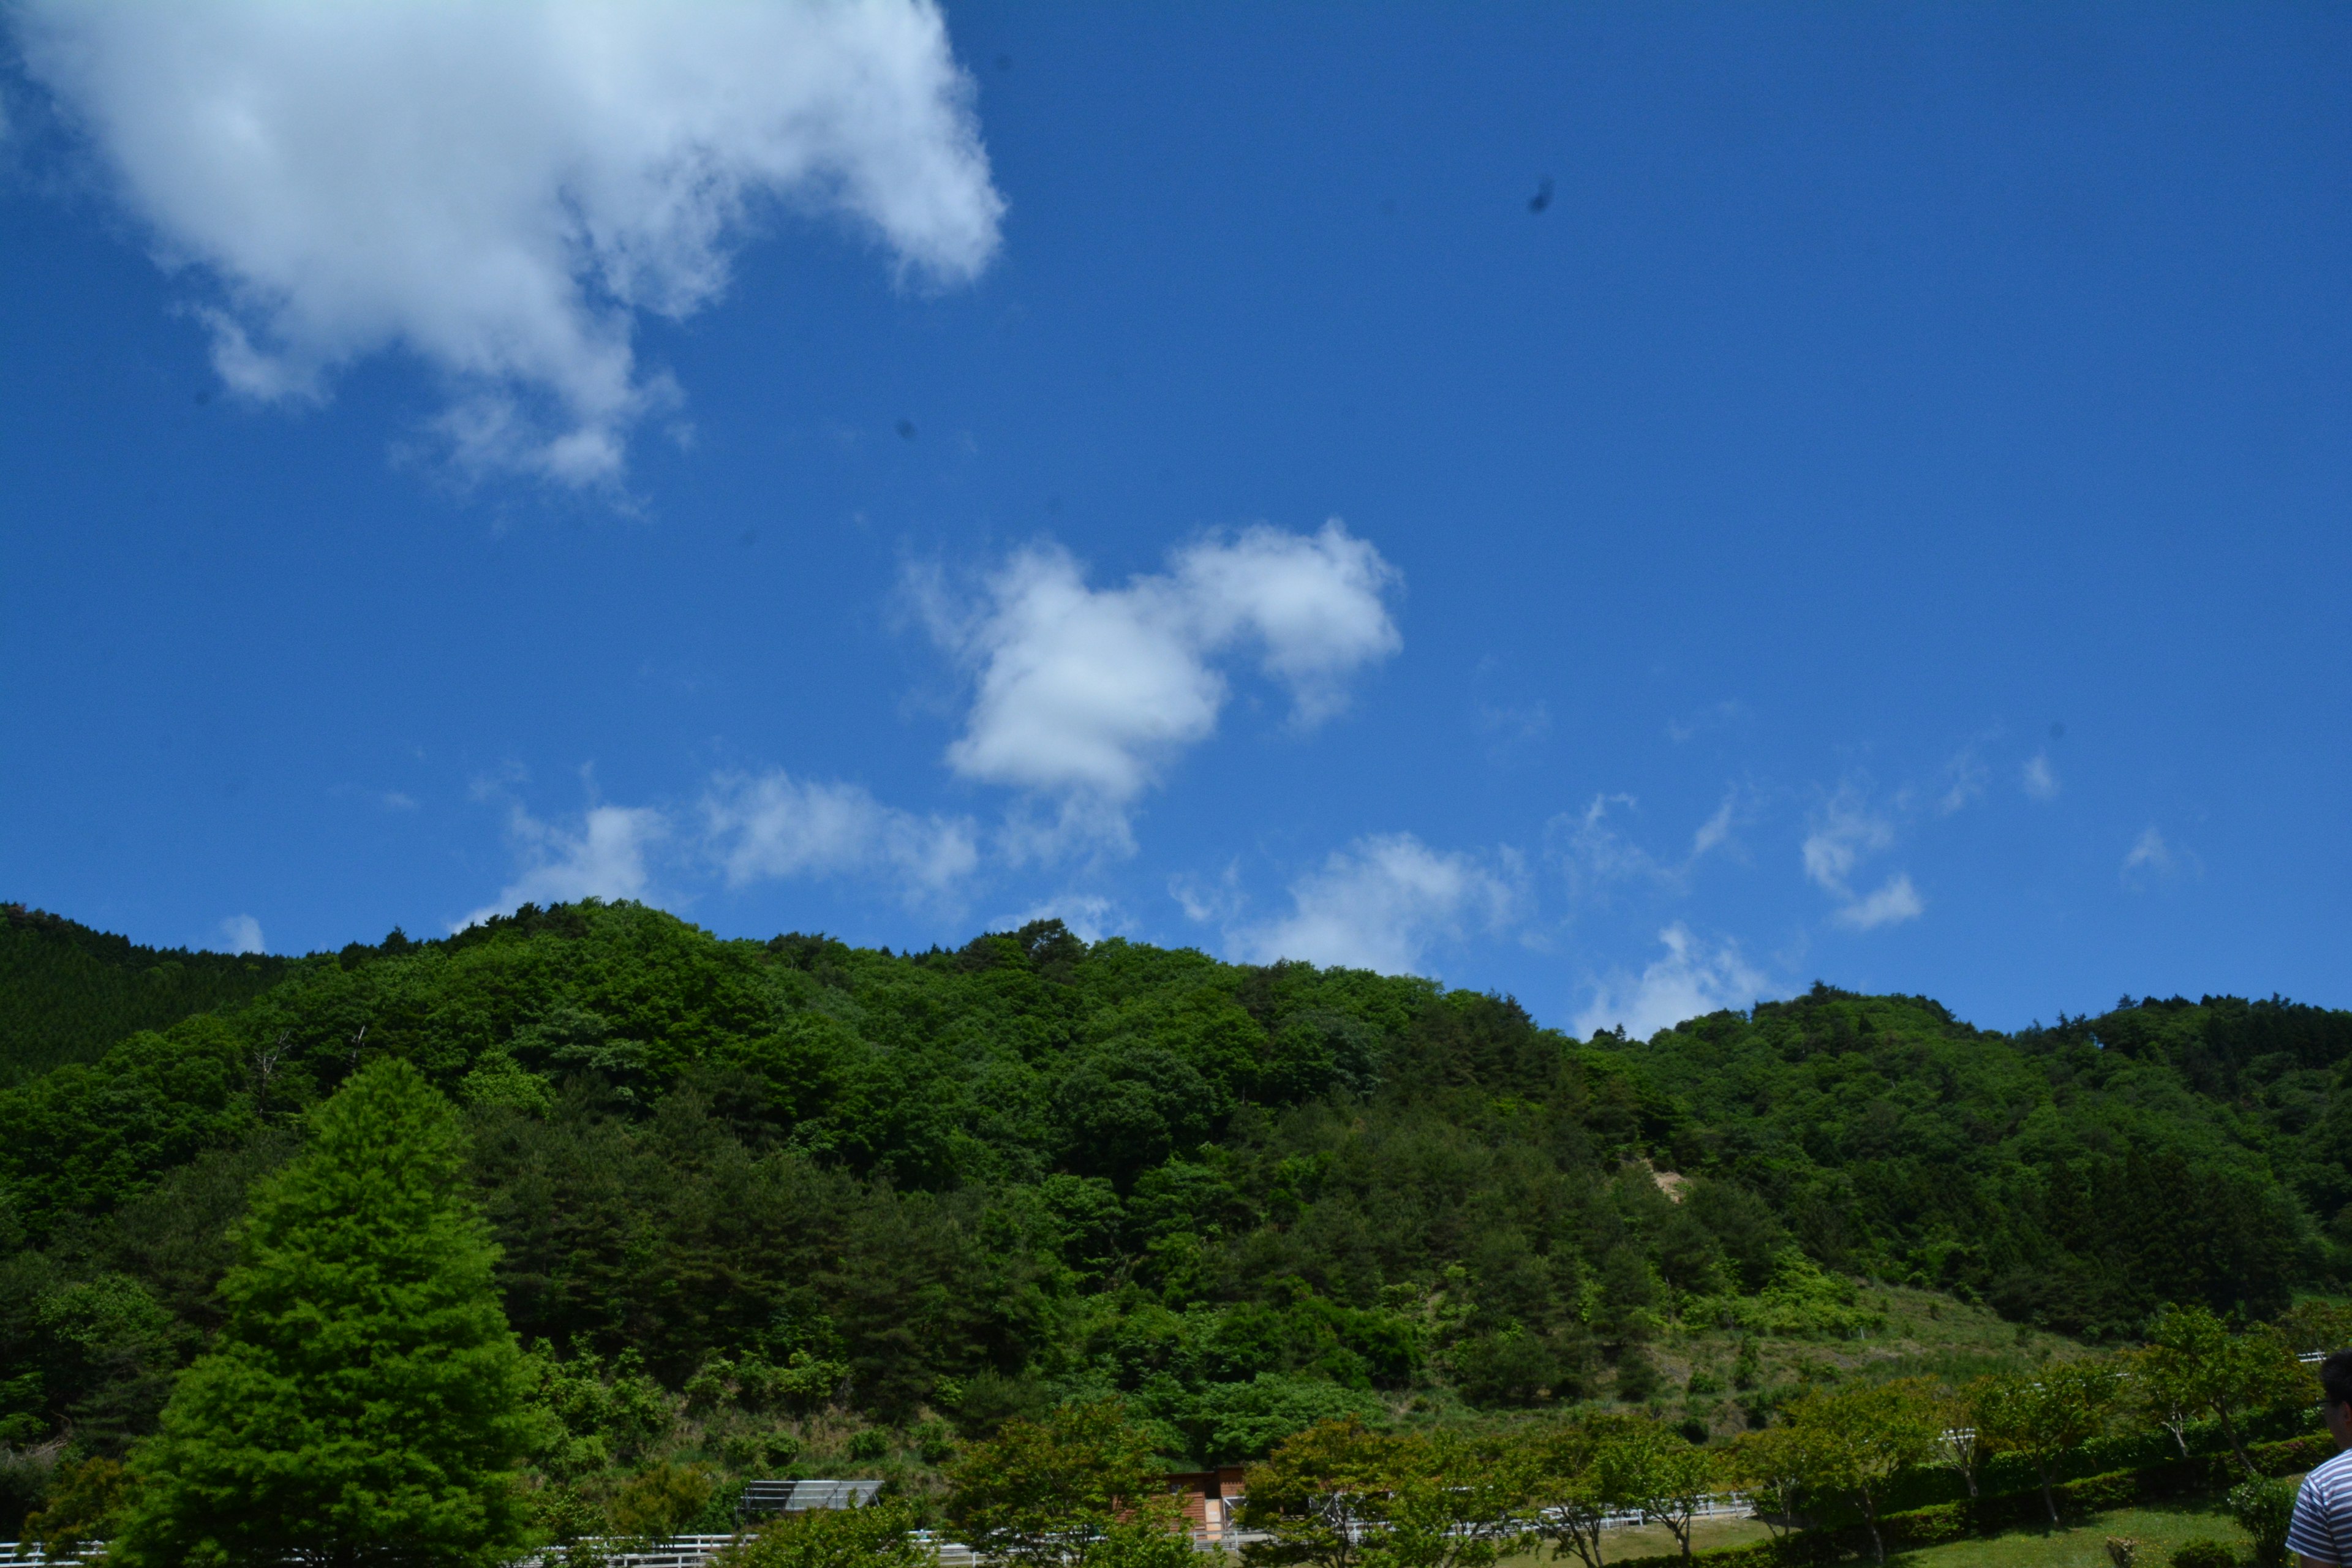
{"points": [[660, 1502], [869, 1445], [2205, 1553], [2262, 1510]]}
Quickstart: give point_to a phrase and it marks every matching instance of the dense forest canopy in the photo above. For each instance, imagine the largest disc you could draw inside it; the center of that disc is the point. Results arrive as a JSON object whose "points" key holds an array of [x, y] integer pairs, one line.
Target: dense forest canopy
{"points": [[67, 991], [976, 1182]]}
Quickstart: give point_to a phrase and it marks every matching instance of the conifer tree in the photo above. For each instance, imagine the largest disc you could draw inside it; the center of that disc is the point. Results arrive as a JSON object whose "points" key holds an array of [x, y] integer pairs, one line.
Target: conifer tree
{"points": [[364, 1403]]}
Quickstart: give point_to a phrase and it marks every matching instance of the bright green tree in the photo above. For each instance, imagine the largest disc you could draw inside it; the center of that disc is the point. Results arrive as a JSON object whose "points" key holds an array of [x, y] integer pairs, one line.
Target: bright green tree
{"points": [[1080, 1488], [1454, 1501], [2042, 1414], [1321, 1498], [2207, 1367], [1857, 1440], [1663, 1475], [365, 1401]]}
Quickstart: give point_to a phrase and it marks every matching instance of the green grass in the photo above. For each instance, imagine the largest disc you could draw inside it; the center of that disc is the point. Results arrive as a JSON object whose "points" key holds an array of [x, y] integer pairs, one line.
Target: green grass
{"points": [[2084, 1544]]}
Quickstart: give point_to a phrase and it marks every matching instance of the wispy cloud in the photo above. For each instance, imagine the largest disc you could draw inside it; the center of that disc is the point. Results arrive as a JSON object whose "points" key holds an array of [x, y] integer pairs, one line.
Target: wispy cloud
{"points": [[1846, 832], [1384, 903], [1083, 696], [2154, 859], [1597, 855], [1690, 981], [2038, 778], [502, 188], [774, 825], [241, 933]]}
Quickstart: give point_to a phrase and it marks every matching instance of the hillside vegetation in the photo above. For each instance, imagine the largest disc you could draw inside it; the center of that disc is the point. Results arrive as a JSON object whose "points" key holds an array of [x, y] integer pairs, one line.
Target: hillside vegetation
{"points": [[780, 1198], [67, 991]]}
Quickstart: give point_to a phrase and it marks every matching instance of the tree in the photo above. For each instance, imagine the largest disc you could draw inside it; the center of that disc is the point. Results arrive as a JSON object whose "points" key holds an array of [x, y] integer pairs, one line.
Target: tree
{"points": [[1454, 1502], [364, 1403], [1321, 1498], [1574, 1488], [1959, 1446], [1857, 1439], [2154, 1391], [2044, 1413], [1661, 1474], [2209, 1368], [1784, 1463], [1081, 1486], [880, 1535]]}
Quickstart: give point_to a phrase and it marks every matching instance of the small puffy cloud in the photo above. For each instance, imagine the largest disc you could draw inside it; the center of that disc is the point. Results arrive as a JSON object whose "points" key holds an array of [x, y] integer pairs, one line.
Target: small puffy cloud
{"points": [[774, 825], [1896, 900], [1383, 903], [1690, 982], [1845, 833], [605, 858], [1083, 695], [2039, 779], [501, 187], [241, 933]]}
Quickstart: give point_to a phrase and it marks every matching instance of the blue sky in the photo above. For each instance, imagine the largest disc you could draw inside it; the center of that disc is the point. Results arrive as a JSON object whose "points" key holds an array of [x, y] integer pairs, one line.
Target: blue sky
{"points": [[1637, 507]]}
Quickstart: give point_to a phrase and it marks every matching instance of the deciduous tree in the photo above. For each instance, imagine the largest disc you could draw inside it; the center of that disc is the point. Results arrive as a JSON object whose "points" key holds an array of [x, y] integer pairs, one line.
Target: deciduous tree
{"points": [[364, 1402]]}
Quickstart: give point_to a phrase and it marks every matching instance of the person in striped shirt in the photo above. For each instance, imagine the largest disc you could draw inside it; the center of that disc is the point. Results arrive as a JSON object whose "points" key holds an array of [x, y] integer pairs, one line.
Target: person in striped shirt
{"points": [[2320, 1534]]}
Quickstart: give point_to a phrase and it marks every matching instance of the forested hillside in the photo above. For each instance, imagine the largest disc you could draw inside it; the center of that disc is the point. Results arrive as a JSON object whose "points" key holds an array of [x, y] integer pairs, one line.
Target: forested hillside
{"points": [[785, 1175], [67, 991]]}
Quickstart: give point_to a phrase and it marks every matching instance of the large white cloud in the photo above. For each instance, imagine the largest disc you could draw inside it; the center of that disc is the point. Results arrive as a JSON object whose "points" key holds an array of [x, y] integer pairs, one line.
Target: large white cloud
{"points": [[498, 186], [1082, 695], [774, 825], [1384, 903], [1689, 981]]}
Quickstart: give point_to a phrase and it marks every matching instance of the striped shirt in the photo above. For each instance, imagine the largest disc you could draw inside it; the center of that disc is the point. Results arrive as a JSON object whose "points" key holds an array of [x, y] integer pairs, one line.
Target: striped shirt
{"points": [[2322, 1526]]}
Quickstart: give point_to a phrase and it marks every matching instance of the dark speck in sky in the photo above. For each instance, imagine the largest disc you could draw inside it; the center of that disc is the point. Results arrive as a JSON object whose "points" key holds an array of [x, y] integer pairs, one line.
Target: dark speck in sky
{"points": [[907, 428], [1542, 198]]}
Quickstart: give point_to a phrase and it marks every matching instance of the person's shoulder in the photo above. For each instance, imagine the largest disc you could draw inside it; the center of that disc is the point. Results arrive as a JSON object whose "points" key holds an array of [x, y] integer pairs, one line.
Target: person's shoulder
{"points": [[2333, 1477]]}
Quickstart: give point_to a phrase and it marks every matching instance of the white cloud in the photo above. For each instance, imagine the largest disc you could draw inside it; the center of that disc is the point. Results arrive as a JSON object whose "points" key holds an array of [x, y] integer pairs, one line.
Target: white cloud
{"points": [[501, 186], [241, 933], [1382, 903], [1597, 855], [1844, 834], [1083, 695], [604, 859], [1690, 982], [2041, 781], [2154, 859], [1896, 900], [1715, 831], [1966, 774], [777, 825], [1089, 917]]}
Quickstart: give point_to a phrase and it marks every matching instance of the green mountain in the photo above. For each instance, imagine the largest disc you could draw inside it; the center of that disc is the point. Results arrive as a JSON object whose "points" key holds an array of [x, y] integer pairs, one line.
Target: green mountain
{"points": [[968, 1183], [67, 991]]}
